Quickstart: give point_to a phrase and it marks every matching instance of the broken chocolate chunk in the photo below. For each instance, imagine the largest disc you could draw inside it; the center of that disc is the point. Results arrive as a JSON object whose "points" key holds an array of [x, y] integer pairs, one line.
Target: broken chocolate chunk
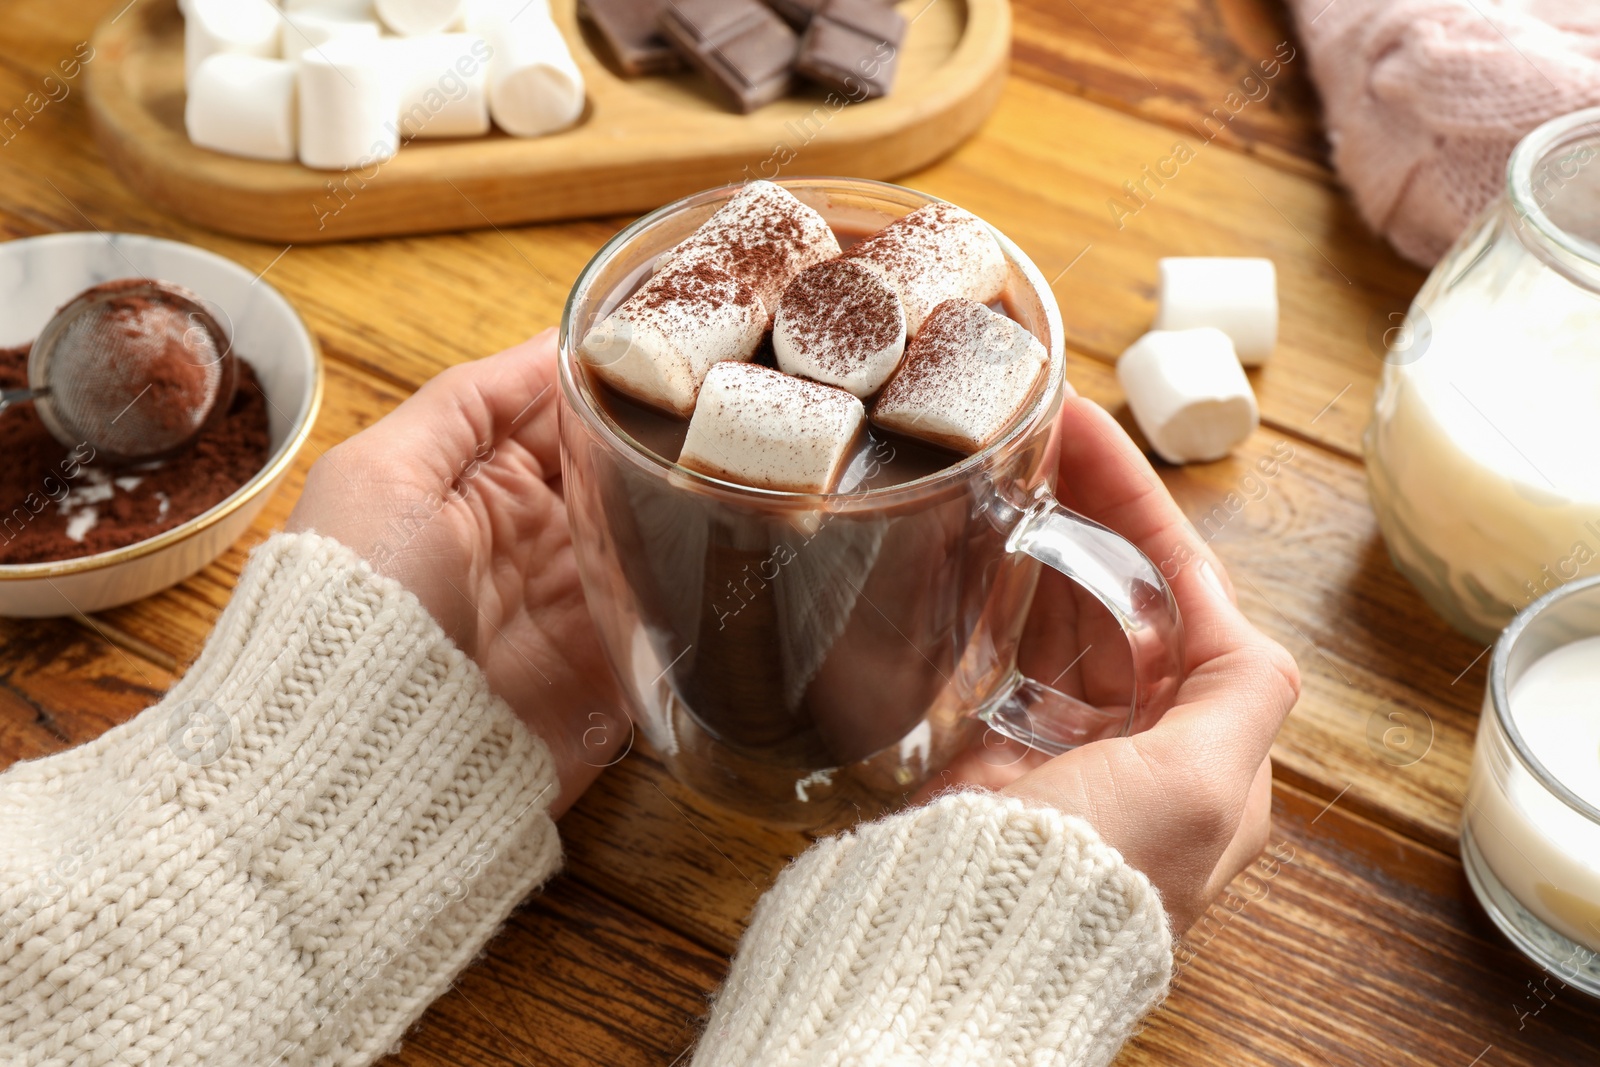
{"points": [[632, 30], [746, 50], [798, 13], [853, 47]]}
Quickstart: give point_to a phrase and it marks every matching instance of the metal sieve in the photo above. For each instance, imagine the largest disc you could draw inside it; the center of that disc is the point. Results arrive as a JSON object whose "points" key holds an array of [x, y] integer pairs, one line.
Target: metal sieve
{"points": [[134, 368]]}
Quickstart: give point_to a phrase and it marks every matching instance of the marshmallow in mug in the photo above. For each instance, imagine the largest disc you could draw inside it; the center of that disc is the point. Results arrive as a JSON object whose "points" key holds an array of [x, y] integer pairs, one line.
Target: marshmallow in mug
{"points": [[348, 106], [1188, 393], [939, 252], [235, 27], [443, 80], [660, 343], [842, 324], [1238, 296], [762, 428], [243, 105], [966, 378]]}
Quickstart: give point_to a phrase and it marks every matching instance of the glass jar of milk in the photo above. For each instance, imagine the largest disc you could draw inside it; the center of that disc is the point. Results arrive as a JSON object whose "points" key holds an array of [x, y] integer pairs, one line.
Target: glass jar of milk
{"points": [[1530, 827], [1483, 456]]}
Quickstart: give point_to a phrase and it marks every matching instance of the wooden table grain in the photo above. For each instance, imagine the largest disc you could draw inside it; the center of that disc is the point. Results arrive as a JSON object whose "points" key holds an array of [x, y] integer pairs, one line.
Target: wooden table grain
{"points": [[1354, 941]]}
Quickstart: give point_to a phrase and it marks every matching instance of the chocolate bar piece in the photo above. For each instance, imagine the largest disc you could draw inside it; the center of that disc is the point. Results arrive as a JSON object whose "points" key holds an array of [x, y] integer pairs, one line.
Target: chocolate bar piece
{"points": [[798, 13], [746, 50], [853, 46], [632, 30]]}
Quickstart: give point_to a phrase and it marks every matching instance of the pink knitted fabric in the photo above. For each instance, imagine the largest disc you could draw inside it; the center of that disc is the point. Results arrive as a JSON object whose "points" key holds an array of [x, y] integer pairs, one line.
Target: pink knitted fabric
{"points": [[1425, 99]]}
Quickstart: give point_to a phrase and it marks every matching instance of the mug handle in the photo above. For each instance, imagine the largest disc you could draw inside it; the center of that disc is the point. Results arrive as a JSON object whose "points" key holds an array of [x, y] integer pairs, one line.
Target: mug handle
{"points": [[1115, 572]]}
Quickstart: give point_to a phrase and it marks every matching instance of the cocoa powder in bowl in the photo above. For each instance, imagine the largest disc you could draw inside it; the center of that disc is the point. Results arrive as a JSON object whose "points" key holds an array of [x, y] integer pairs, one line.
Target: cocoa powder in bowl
{"points": [[60, 503]]}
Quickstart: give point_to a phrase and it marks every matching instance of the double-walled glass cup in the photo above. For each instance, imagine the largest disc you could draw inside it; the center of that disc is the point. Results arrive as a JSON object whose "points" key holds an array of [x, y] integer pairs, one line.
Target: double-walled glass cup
{"points": [[812, 658]]}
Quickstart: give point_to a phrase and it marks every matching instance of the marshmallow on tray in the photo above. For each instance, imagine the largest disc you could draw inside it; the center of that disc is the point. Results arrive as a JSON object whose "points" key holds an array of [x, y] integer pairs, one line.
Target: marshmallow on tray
{"points": [[349, 105], [965, 380], [934, 254], [842, 324], [337, 9], [313, 29], [1188, 393], [658, 346], [764, 429], [443, 81], [238, 27], [411, 18], [243, 105], [765, 235], [1238, 296], [535, 86]]}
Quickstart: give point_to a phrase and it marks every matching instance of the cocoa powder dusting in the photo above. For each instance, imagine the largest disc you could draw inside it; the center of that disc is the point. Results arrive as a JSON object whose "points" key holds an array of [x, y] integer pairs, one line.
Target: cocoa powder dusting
{"points": [[837, 311], [60, 503]]}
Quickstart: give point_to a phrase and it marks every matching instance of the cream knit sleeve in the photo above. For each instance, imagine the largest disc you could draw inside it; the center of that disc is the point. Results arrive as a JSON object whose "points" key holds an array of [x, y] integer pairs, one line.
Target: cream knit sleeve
{"points": [[289, 857], [973, 932]]}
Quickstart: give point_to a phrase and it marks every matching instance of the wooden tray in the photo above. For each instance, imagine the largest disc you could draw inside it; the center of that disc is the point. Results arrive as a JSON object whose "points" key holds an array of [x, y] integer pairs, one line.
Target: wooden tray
{"points": [[643, 142]]}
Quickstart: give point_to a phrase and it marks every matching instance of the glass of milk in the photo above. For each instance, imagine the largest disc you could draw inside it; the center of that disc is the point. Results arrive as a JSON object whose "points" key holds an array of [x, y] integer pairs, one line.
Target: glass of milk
{"points": [[1530, 835], [1482, 452]]}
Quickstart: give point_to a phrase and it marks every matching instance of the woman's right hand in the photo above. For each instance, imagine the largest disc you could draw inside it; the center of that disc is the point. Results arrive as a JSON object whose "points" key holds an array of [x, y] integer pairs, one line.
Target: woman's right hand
{"points": [[1189, 801]]}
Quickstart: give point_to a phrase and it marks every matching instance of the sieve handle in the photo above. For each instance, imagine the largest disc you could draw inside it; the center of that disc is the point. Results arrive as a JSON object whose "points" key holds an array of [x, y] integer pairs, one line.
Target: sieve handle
{"points": [[17, 396]]}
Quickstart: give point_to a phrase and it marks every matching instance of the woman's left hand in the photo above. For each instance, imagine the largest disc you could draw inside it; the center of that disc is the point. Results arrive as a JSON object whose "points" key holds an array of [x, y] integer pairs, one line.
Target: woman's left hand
{"points": [[457, 495]]}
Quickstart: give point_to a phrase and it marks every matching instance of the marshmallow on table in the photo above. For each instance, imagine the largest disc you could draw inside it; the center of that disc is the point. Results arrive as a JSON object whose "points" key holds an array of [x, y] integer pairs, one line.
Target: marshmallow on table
{"points": [[411, 18], [936, 253], [1188, 393], [313, 29], [842, 324], [762, 428], [965, 380], [765, 235], [444, 84], [659, 345], [243, 105], [349, 106], [535, 86], [1236, 295], [237, 27]]}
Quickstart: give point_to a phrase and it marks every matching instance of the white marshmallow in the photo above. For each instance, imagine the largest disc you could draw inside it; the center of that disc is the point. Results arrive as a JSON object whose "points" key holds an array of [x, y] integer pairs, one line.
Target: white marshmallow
{"points": [[658, 346], [1188, 393], [1236, 295], [762, 428], [842, 324], [965, 380], [444, 84], [765, 235], [535, 86], [352, 10], [412, 18], [236, 27], [243, 105], [349, 106], [313, 29], [936, 253]]}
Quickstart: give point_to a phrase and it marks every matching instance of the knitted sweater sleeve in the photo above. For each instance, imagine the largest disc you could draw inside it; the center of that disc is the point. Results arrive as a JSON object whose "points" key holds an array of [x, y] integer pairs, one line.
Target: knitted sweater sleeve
{"points": [[291, 855], [285, 860], [973, 932]]}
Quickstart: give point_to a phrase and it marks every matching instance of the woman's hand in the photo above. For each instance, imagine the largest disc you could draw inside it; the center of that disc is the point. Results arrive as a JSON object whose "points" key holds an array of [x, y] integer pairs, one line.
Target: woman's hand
{"points": [[457, 495], [1188, 802]]}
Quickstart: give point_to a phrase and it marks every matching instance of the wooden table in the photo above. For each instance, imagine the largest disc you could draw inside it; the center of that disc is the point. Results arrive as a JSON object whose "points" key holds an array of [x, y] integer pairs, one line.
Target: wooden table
{"points": [[1364, 946]]}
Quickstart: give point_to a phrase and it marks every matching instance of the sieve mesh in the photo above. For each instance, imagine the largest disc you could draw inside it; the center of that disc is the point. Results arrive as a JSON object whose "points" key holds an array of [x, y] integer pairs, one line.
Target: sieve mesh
{"points": [[132, 368]]}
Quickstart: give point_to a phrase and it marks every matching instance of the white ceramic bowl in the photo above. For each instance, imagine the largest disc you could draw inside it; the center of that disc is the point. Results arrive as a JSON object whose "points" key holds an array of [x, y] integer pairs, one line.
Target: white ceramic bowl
{"points": [[38, 275]]}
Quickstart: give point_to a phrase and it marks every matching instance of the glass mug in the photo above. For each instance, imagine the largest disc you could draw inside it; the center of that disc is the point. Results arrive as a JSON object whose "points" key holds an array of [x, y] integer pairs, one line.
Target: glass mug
{"points": [[813, 658]]}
